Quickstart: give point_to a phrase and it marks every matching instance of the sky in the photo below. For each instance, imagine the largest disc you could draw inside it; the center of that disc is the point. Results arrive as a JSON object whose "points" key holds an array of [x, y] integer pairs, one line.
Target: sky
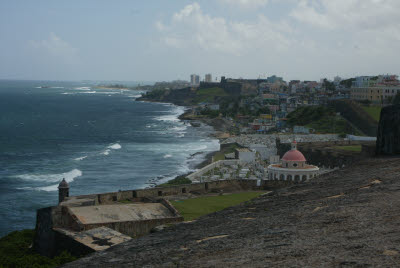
{"points": [[159, 40]]}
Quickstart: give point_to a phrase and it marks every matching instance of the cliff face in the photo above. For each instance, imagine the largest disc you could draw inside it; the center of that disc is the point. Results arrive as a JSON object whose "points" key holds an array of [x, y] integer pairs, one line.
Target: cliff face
{"points": [[346, 218], [388, 140]]}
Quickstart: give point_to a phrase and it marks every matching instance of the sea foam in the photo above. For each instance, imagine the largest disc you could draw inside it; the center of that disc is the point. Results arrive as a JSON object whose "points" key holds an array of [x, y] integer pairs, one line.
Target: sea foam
{"points": [[68, 176]]}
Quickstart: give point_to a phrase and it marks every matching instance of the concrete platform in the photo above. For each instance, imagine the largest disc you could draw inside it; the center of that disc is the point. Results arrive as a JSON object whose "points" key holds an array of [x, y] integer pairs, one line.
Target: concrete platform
{"points": [[96, 239], [121, 213]]}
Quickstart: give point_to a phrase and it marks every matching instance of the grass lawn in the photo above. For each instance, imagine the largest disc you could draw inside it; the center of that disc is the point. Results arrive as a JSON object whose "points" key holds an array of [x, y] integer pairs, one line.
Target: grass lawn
{"points": [[208, 94], [221, 154], [374, 111], [353, 148], [191, 209]]}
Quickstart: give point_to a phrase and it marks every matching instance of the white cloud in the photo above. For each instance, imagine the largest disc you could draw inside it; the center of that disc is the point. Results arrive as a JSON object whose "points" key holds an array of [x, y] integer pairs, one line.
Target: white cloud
{"points": [[246, 3], [348, 14], [56, 48], [190, 27]]}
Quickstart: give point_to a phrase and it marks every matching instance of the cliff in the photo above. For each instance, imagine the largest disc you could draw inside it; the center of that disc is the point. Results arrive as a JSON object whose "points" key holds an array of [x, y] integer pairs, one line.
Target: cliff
{"points": [[346, 218], [388, 140]]}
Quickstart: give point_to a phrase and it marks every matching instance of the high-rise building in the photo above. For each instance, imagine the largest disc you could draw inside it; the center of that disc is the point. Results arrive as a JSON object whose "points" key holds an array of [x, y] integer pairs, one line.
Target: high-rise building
{"points": [[208, 78], [194, 79]]}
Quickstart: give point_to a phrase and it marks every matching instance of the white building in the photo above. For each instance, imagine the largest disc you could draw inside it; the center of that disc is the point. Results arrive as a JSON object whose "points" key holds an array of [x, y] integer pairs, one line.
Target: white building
{"points": [[293, 167]]}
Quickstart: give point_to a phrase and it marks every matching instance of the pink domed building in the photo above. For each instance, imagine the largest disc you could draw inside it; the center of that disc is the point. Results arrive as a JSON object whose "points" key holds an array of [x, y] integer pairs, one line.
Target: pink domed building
{"points": [[293, 167]]}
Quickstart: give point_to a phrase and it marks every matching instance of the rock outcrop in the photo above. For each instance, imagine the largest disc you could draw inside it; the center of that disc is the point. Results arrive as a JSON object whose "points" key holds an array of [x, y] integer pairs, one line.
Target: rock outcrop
{"points": [[348, 218], [388, 140]]}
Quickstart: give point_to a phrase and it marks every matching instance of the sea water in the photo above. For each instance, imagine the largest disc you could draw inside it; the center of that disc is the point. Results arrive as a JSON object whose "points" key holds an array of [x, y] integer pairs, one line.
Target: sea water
{"points": [[99, 140]]}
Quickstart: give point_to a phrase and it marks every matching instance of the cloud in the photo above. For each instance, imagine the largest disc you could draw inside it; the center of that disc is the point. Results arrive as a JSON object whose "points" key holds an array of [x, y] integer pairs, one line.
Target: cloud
{"points": [[56, 48], [355, 15], [246, 3], [191, 27]]}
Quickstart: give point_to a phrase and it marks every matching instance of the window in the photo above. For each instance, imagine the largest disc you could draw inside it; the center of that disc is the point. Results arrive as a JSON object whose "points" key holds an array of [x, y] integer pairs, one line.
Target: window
{"points": [[295, 164]]}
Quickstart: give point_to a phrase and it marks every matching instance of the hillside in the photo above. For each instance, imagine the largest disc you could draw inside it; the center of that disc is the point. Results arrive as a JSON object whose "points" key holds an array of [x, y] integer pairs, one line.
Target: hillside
{"points": [[321, 119], [363, 119], [348, 218]]}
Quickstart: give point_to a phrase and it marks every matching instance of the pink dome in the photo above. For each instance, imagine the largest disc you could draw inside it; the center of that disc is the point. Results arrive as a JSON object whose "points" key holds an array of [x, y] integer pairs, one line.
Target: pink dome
{"points": [[294, 155]]}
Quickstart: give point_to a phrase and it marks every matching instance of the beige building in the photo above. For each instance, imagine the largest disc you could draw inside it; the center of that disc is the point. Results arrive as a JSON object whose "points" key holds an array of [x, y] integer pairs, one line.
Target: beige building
{"points": [[374, 94]]}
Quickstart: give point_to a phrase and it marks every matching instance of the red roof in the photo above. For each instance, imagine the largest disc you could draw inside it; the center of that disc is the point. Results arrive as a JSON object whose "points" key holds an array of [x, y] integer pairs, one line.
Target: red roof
{"points": [[294, 155]]}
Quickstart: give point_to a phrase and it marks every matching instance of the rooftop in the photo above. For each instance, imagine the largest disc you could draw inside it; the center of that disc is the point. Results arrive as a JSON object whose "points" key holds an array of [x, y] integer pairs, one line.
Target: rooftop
{"points": [[121, 213]]}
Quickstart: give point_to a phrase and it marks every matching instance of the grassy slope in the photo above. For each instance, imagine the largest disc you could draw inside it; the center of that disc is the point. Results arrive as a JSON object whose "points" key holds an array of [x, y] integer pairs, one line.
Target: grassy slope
{"points": [[221, 154], [353, 148], [209, 94], [321, 119], [16, 251], [374, 111], [193, 208]]}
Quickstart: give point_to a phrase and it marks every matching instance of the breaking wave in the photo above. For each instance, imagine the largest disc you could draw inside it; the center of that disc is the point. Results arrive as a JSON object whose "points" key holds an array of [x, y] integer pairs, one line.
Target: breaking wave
{"points": [[51, 178]]}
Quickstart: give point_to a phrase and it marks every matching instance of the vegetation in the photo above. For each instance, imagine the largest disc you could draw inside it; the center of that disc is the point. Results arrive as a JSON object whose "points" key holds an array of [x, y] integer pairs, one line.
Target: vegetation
{"points": [[177, 181], [374, 111], [209, 94], [227, 150], [328, 85], [348, 82], [321, 119], [155, 94], [353, 148], [16, 251], [191, 209]]}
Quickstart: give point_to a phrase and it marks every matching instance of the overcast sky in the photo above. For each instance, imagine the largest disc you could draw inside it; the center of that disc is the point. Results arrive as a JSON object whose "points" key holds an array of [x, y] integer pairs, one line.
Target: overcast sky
{"points": [[156, 40]]}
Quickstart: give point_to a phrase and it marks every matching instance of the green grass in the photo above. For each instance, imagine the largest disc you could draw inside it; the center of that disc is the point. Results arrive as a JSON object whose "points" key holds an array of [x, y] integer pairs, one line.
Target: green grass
{"points": [[16, 251], [374, 111], [209, 94], [353, 148], [191, 209], [221, 154], [215, 91]]}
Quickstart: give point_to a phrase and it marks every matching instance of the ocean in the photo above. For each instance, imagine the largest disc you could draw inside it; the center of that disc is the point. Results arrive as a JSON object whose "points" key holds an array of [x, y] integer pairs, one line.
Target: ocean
{"points": [[99, 140]]}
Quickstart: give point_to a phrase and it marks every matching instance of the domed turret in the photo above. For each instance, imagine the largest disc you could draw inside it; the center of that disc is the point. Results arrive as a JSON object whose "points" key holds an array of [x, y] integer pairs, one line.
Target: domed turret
{"points": [[293, 158], [63, 190]]}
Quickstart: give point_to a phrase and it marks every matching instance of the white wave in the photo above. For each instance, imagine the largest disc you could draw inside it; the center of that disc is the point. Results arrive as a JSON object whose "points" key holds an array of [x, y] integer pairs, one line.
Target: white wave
{"points": [[80, 158], [172, 117], [136, 96], [67, 93], [82, 88], [167, 156], [68, 176], [57, 87], [88, 92], [181, 135], [115, 146], [181, 128]]}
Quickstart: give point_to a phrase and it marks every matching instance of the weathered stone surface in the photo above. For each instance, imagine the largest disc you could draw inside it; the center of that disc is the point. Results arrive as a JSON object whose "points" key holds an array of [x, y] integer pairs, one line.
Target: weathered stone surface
{"points": [[348, 217], [388, 140]]}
